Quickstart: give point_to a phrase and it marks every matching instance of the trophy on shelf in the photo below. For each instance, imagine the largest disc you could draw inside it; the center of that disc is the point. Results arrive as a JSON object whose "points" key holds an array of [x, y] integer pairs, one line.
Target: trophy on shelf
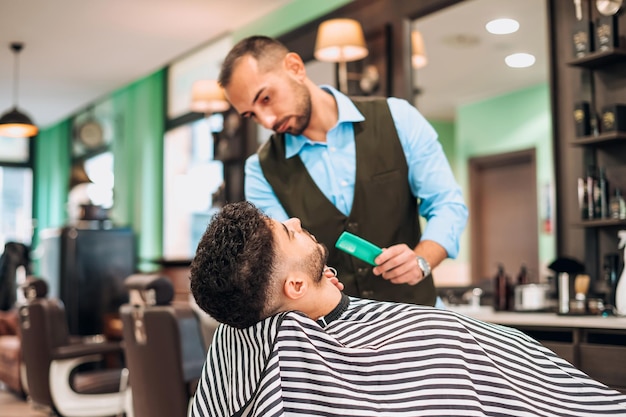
{"points": [[614, 118], [582, 35], [606, 27], [582, 118]]}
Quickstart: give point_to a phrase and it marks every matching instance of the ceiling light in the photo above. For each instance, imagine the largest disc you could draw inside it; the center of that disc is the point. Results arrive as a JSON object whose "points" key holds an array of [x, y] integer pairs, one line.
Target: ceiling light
{"points": [[520, 60], [502, 26], [14, 123]]}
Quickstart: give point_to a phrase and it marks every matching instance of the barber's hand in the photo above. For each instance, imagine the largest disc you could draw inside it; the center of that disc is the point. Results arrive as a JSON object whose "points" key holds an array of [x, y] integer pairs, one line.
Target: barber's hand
{"points": [[398, 264], [330, 273]]}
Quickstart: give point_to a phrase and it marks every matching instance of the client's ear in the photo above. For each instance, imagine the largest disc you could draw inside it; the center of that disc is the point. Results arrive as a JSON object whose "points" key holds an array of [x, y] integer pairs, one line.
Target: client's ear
{"points": [[295, 286]]}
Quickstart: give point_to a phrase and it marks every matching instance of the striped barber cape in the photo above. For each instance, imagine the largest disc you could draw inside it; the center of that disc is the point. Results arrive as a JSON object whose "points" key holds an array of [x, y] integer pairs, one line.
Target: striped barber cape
{"points": [[389, 359]]}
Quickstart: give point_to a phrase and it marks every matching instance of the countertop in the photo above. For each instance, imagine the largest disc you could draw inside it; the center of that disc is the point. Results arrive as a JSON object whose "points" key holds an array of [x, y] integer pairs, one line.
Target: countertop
{"points": [[540, 319]]}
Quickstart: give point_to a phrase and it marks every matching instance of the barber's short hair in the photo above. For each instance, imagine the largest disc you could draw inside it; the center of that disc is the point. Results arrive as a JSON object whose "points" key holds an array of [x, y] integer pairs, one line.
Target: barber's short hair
{"points": [[231, 273], [267, 51]]}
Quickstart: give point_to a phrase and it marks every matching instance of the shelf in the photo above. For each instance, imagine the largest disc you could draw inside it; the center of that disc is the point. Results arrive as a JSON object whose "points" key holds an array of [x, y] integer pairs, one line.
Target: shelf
{"points": [[607, 137], [599, 59], [601, 223]]}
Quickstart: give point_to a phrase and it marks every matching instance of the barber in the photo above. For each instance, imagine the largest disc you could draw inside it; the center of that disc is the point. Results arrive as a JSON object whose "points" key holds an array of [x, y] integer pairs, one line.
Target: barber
{"points": [[370, 167]]}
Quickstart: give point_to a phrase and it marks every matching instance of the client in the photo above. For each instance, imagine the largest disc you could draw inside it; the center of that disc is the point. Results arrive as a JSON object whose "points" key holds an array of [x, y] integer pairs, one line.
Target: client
{"points": [[293, 344]]}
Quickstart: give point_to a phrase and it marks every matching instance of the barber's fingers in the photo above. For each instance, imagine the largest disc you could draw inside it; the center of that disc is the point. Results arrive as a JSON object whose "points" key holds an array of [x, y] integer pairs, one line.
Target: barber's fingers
{"points": [[329, 271], [331, 274], [398, 265], [336, 283]]}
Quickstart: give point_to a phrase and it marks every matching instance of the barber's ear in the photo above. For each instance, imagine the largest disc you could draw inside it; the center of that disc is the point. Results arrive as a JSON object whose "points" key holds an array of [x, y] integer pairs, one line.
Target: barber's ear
{"points": [[295, 287], [294, 65]]}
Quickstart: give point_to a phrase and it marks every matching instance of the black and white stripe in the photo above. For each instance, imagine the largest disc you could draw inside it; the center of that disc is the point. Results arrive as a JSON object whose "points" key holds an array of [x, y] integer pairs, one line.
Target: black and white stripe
{"points": [[387, 359]]}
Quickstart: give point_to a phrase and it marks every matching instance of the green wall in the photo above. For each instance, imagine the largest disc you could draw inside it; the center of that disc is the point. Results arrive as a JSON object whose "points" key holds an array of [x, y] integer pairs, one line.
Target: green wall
{"points": [[446, 132], [51, 179], [138, 154], [138, 111], [511, 122]]}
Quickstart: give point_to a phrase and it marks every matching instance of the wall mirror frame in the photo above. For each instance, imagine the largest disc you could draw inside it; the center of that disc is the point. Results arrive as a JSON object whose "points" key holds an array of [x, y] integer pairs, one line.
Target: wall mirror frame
{"points": [[481, 108]]}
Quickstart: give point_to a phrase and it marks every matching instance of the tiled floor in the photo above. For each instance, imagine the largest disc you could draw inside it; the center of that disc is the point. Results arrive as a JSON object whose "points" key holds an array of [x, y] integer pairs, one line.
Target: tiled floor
{"points": [[13, 406]]}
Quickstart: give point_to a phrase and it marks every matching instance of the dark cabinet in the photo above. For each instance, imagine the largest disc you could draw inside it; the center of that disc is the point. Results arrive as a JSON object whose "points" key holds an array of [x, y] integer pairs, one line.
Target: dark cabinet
{"points": [[602, 84], [86, 269]]}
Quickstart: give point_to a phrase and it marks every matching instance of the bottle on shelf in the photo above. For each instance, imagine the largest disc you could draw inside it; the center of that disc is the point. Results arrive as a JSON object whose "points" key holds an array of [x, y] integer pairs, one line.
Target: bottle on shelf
{"points": [[606, 285], [592, 184], [502, 290], [583, 200], [620, 290], [522, 276], [602, 200], [617, 206]]}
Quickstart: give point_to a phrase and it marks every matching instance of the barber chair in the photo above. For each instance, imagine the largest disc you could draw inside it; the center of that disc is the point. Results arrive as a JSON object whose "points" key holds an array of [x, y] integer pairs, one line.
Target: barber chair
{"points": [[66, 375], [15, 255], [163, 347]]}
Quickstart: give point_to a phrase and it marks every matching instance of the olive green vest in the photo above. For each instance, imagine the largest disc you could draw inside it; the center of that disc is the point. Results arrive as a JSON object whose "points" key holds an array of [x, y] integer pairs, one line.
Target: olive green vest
{"points": [[384, 211]]}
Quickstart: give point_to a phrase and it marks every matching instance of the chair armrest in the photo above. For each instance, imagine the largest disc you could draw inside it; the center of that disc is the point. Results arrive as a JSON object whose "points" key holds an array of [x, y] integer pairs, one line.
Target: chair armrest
{"points": [[84, 349]]}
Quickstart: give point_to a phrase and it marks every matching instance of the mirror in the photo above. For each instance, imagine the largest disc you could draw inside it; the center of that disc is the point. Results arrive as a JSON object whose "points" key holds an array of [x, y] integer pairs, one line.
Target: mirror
{"points": [[489, 115]]}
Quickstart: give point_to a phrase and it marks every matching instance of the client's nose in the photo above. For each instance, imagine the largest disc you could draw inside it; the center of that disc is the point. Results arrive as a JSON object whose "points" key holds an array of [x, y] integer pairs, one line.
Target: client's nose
{"points": [[294, 223]]}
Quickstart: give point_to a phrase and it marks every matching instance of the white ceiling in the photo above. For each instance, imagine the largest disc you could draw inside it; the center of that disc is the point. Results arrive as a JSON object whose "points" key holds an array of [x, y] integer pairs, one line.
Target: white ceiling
{"points": [[78, 51], [460, 71]]}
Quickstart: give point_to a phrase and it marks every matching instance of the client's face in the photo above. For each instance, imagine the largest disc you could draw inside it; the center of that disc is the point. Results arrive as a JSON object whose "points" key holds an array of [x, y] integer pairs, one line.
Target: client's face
{"points": [[298, 247]]}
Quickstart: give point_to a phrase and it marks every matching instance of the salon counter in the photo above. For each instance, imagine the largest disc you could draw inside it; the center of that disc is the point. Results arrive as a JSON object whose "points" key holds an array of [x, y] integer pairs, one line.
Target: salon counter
{"points": [[516, 319], [596, 345]]}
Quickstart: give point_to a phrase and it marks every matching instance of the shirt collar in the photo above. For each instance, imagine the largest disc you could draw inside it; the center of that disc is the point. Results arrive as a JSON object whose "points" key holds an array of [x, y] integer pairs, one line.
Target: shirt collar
{"points": [[348, 113]]}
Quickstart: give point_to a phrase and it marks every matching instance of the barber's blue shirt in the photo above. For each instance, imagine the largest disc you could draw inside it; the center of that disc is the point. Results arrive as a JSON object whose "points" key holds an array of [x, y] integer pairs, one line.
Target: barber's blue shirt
{"points": [[332, 165]]}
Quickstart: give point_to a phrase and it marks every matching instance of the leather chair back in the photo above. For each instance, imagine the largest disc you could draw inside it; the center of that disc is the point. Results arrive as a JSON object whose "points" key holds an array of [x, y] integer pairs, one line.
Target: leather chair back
{"points": [[37, 317], [163, 347], [49, 352]]}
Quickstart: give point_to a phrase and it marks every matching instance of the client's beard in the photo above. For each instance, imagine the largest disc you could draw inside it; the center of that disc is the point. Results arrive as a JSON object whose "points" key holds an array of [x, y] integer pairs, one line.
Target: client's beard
{"points": [[319, 263]]}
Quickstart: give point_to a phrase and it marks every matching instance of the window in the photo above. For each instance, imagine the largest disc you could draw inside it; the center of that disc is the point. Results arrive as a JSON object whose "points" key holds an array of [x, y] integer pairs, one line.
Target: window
{"points": [[14, 150], [16, 191], [193, 186], [16, 205]]}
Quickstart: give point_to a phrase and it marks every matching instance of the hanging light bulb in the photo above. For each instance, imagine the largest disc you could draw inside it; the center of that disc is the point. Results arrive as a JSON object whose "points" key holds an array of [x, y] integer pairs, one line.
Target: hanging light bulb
{"points": [[14, 123], [207, 96], [418, 58]]}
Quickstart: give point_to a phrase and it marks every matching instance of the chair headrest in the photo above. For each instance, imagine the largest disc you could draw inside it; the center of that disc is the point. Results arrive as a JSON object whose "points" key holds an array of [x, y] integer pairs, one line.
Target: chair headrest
{"points": [[34, 287], [149, 289]]}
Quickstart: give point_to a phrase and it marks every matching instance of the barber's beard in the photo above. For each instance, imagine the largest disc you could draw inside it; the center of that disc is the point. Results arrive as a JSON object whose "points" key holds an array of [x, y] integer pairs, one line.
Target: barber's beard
{"points": [[302, 109]]}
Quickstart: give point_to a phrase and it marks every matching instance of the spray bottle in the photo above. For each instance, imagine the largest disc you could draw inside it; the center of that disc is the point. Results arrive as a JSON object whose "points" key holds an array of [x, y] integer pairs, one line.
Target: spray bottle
{"points": [[620, 291]]}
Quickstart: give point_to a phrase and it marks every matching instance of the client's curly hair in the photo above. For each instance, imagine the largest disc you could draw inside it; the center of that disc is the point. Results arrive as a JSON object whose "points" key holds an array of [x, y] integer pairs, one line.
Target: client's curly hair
{"points": [[232, 270]]}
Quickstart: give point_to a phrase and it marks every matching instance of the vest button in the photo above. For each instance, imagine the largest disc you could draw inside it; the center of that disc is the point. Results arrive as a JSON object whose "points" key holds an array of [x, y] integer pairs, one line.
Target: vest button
{"points": [[352, 227], [362, 271], [367, 294]]}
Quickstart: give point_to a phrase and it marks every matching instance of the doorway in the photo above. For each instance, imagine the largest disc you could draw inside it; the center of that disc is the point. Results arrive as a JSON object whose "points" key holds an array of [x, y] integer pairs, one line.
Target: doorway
{"points": [[503, 214]]}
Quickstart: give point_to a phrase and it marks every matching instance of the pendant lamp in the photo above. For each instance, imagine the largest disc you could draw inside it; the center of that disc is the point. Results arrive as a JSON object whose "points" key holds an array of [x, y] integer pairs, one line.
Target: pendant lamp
{"points": [[14, 123], [340, 41], [207, 96]]}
